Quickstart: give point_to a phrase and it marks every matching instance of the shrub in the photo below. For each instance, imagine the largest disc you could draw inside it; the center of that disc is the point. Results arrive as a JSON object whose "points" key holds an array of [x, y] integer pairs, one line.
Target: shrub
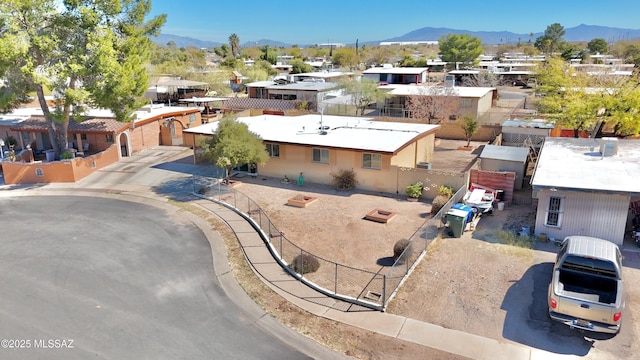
{"points": [[437, 203], [66, 155], [446, 191], [399, 248], [344, 179], [414, 190], [305, 263]]}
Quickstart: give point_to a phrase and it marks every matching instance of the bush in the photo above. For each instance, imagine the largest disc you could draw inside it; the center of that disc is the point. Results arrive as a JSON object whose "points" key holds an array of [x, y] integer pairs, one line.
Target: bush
{"points": [[446, 191], [437, 203], [66, 155], [344, 179], [399, 248], [414, 190], [305, 263]]}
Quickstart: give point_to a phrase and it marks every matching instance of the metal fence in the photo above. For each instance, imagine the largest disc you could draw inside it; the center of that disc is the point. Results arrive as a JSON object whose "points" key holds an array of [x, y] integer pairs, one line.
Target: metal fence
{"points": [[358, 286]]}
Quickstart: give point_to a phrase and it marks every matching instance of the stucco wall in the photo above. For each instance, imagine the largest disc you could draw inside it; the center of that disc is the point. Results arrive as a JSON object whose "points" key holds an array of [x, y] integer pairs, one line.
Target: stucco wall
{"points": [[585, 213], [451, 130], [70, 170]]}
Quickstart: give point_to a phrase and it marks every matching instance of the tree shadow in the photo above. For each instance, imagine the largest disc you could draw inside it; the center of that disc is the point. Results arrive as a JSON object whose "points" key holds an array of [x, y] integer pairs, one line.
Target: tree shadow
{"points": [[385, 261], [527, 320]]}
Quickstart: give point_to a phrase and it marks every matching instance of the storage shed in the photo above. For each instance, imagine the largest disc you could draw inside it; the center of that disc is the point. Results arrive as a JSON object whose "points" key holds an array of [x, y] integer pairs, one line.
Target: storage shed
{"points": [[515, 132], [505, 158]]}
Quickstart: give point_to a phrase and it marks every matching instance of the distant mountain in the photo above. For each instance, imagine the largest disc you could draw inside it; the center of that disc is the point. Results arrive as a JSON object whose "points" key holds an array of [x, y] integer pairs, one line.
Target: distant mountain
{"points": [[183, 41], [588, 32], [578, 33]]}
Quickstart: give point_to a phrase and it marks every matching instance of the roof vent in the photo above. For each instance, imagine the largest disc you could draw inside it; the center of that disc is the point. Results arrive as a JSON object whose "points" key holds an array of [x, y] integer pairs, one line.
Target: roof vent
{"points": [[609, 146]]}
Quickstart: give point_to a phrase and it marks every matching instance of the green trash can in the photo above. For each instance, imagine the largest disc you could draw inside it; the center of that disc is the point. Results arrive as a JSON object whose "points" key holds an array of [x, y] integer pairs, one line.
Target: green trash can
{"points": [[457, 220]]}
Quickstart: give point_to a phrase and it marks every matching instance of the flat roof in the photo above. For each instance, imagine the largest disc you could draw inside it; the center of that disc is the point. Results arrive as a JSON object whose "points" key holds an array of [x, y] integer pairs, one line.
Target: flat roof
{"points": [[505, 153], [305, 86], [395, 70], [571, 163], [323, 74], [532, 123], [413, 89], [202, 99], [346, 132]]}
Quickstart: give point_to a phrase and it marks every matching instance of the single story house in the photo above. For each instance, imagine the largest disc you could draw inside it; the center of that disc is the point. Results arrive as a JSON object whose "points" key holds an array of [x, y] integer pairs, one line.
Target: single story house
{"points": [[309, 91], [319, 145], [586, 187], [505, 158], [474, 101], [397, 75]]}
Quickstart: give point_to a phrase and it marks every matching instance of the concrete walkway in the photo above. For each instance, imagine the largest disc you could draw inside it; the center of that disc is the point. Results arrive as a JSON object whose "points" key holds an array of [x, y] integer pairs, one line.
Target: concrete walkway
{"points": [[400, 327]]}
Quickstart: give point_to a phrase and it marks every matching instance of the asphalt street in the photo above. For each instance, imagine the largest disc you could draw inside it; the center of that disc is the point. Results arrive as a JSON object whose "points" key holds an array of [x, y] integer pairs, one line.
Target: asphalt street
{"points": [[116, 280]]}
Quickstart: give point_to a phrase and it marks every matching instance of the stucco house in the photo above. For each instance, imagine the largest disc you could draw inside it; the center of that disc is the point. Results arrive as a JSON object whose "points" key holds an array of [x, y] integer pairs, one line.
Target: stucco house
{"points": [[397, 75], [586, 187], [98, 132], [474, 101], [318, 145]]}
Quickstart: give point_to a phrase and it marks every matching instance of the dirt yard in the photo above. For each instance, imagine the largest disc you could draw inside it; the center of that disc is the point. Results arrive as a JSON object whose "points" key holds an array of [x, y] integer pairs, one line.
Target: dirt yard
{"points": [[474, 283]]}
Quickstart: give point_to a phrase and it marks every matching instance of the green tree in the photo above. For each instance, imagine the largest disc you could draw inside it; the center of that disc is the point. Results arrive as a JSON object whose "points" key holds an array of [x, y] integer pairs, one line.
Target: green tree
{"points": [[470, 126], [460, 49], [233, 145], [345, 57], [363, 92], [567, 99], [269, 54], [552, 40], [298, 66], [88, 53], [598, 46], [222, 50], [234, 42]]}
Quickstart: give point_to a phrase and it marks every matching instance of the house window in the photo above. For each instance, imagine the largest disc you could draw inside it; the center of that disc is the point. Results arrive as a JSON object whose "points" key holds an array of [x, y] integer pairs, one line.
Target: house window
{"points": [[554, 212], [372, 161], [465, 103], [321, 156], [273, 150], [83, 137], [261, 93], [109, 138], [25, 137]]}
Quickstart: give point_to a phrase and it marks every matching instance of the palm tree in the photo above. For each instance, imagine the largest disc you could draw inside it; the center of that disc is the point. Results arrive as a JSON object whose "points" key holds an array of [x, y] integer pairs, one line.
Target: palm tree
{"points": [[234, 41]]}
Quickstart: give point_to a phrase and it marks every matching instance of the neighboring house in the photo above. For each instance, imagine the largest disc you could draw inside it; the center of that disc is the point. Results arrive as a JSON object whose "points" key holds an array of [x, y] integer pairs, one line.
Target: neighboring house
{"points": [[586, 186], [397, 75], [171, 90], [474, 101], [312, 92], [319, 145], [505, 158], [96, 133]]}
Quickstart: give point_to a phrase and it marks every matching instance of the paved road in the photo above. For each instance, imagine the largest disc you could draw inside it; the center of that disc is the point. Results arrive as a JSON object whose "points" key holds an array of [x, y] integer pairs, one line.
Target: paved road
{"points": [[122, 280]]}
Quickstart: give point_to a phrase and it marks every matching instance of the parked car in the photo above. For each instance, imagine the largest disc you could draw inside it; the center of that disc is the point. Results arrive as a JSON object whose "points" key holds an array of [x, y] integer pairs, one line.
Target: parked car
{"points": [[587, 290]]}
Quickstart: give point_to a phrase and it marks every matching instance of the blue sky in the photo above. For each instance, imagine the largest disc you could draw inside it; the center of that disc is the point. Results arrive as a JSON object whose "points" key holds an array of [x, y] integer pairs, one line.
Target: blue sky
{"points": [[306, 22]]}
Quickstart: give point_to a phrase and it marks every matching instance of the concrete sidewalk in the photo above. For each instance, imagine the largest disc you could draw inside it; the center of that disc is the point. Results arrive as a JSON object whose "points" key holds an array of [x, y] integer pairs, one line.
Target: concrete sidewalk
{"points": [[422, 333]]}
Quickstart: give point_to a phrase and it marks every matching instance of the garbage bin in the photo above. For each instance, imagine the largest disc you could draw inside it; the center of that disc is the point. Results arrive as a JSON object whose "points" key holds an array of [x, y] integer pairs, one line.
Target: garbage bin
{"points": [[50, 155], [458, 217]]}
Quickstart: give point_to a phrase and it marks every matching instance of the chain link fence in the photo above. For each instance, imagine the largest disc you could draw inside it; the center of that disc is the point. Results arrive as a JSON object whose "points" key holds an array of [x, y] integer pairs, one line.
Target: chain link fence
{"points": [[347, 283]]}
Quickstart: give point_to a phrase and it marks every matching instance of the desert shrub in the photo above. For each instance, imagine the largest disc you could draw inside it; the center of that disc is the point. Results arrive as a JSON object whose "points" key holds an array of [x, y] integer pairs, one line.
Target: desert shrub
{"points": [[437, 203], [305, 263], [414, 190], [66, 155], [344, 179], [446, 191], [399, 248]]}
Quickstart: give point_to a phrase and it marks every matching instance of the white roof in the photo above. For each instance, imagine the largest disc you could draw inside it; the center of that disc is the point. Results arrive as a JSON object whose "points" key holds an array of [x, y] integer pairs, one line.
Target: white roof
{"points": [[505, 153], [413, 89], [202, 99], [343, 131], [396, 70], [323, 74], [572, 163], [530, 123], [146, 112]]}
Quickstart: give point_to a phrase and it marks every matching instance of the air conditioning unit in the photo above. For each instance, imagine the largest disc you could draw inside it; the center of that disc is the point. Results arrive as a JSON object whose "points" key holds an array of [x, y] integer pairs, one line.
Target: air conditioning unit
{"points": [[423, 165]]}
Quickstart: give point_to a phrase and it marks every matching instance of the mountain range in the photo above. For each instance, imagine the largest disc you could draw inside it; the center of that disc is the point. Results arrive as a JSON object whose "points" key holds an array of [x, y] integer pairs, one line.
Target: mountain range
{"points": [[575, 34]]}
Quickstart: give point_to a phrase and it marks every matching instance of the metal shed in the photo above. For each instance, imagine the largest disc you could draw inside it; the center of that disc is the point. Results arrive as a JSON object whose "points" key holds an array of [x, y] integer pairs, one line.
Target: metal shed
{"points": [[505, 158]]}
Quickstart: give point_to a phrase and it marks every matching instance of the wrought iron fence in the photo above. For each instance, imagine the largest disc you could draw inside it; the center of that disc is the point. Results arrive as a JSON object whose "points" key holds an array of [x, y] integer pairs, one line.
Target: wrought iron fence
{"points": [[347, 283]]}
